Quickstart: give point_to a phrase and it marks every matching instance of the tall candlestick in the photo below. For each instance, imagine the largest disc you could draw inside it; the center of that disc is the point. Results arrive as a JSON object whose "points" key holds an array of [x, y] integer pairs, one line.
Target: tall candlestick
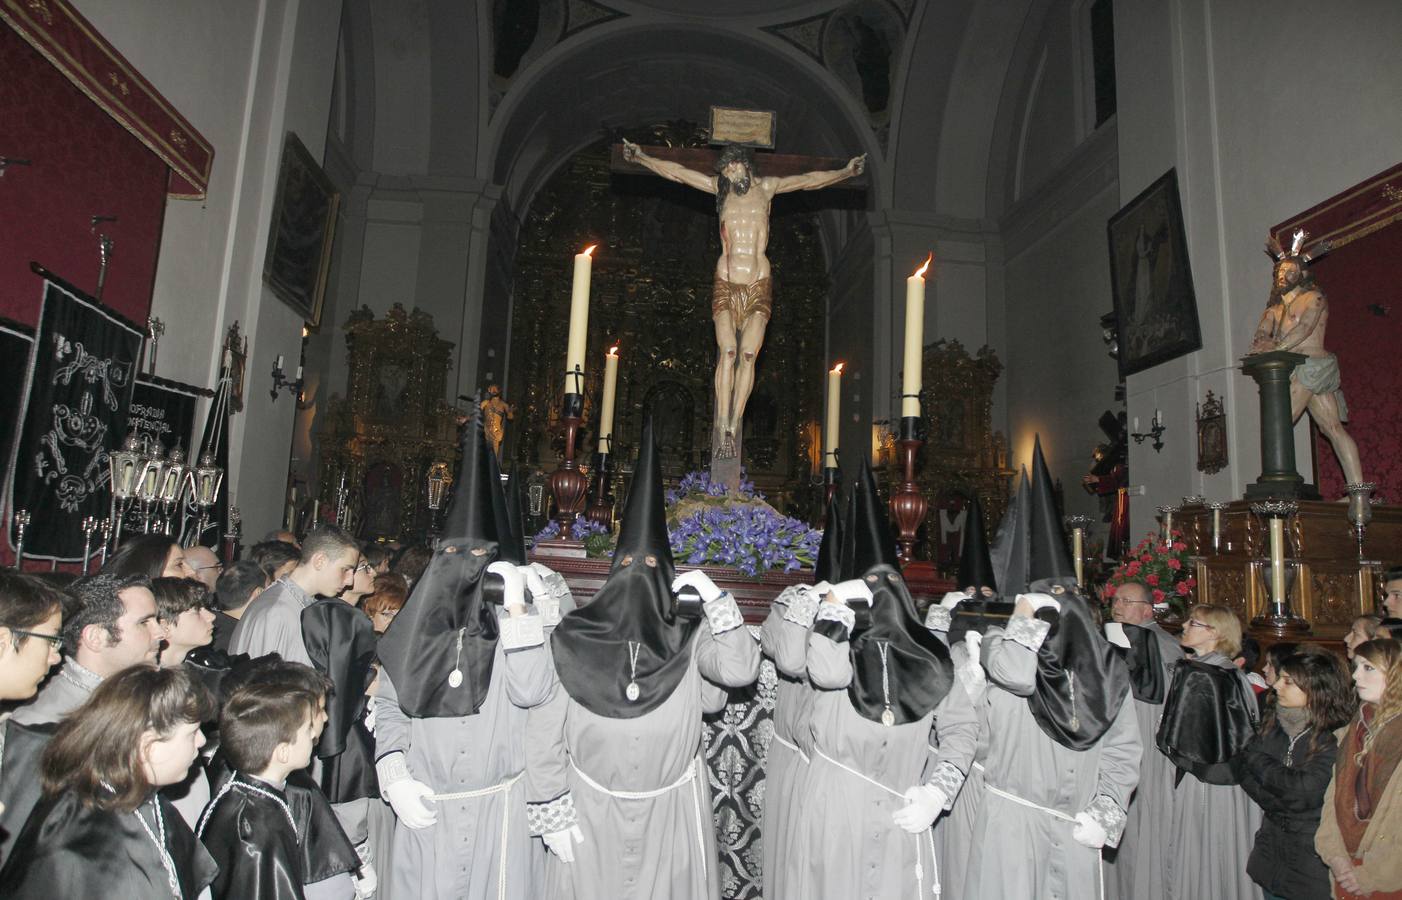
{"points": [[914, 340], [1277, 560], [834, 414], [606, 405], [579, 320]]}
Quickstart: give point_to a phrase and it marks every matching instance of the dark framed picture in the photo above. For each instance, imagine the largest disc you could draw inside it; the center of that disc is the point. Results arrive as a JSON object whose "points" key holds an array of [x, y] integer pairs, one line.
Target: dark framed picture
{"points": [[1156, 309], [303, 228]]}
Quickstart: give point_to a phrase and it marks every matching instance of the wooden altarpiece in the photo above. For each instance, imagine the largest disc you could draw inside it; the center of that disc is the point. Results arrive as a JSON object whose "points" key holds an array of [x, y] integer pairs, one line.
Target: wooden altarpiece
{"points": [[390, 428]]}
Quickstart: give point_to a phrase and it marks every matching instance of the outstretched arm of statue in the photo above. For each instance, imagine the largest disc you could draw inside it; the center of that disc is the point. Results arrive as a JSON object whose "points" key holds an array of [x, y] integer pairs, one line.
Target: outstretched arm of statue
{"points": [[1302, 329], [812, 181], [668, 169]]}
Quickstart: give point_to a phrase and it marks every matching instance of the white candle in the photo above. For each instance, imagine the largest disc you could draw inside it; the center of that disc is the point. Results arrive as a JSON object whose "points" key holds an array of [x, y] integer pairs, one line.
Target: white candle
{"points": [[606, 405], [1078, 550], [834, 415], [278, 364], [579, 320], [299, 374], [1158, 415], [914, 340], [1277, 559], [1136, 424]]}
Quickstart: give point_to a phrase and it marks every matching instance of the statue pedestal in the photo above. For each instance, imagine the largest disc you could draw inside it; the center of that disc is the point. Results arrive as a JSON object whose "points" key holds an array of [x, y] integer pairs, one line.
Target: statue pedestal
{"points": [[1280, 479]]}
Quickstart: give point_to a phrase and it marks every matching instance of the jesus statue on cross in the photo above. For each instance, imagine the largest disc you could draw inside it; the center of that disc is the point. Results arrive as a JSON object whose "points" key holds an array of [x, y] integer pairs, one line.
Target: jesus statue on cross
{"points": [[743, 295]]}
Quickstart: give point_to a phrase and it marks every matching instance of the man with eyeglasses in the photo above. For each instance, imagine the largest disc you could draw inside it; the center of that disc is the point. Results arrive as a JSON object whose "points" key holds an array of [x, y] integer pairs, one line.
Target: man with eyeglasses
{"points": [[1139, 867], [206, 564]]}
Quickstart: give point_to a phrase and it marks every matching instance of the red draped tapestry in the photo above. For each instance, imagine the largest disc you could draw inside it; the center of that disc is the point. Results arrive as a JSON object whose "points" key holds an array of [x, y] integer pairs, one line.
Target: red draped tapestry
{"points": [[1360, 277]]}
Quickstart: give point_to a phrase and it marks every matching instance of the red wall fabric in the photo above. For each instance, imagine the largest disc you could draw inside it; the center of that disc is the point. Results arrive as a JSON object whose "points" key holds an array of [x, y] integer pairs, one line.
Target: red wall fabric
{"points": [[84, 164], [1365, 272]]}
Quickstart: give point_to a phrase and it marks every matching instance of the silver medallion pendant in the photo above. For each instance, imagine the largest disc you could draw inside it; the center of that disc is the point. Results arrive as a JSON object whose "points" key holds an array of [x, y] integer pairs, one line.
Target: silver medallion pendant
{"points": [[631, 692], [888, 718], [1075, 724], [455, 678]]}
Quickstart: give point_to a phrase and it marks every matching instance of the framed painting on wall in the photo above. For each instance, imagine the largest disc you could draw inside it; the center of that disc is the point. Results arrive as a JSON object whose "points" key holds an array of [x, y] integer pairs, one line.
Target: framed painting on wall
{"points": [[302, 232], [1155, 306]]}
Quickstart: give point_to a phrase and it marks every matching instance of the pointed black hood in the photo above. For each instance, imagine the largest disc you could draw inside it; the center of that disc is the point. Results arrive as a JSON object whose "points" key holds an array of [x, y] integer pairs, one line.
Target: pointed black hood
{"points": [[506, 508], [845, 568], [1081, 677], [917, 668], [446, 625], [1050, 558], [1012, 544], [516, 515], [975, 565], [629, 634], [828, 566]]}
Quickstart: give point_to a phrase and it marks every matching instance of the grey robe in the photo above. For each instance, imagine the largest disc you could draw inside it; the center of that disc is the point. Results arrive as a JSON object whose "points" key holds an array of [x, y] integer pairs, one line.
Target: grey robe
{"points": [[786, 642], [1211, 832], [459, 856], [636, 849], [849, 844], [273, 624], [954, 831], [68, 688], [1023, 852], [1140, 869]]}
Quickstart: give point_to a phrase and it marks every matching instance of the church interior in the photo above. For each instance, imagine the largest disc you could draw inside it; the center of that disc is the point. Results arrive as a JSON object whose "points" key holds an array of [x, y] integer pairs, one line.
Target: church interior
{"points": [[301, 244]]}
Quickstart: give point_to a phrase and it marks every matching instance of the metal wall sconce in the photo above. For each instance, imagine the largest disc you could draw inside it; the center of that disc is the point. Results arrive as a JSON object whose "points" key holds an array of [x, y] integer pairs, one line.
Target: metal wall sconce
{"points": [[1156, 430], [280, 382]]}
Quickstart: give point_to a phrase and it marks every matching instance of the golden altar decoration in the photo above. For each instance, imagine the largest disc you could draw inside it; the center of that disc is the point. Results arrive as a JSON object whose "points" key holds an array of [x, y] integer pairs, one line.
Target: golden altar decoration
{"points": [[379, 442]]}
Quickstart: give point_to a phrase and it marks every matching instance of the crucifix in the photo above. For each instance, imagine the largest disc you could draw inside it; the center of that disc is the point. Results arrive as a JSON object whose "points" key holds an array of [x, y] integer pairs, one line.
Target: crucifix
{"points": [[744, 184], [154, 329], [104, 252]]}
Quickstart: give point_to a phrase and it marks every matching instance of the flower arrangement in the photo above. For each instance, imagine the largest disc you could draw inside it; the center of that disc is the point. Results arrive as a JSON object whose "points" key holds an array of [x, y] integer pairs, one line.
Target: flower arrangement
{"points": [[697, 486], [1163, 568]]}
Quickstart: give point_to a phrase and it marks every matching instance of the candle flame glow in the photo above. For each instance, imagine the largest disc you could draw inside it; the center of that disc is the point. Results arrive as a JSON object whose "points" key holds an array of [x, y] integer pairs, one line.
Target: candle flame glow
{"points": [[838, 367], [920, 272], [588, 251], [613, 351]]}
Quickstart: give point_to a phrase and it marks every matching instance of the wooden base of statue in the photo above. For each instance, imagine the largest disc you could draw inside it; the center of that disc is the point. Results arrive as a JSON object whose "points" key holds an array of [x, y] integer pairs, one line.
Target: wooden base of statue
{"points": [[1332, 586]]}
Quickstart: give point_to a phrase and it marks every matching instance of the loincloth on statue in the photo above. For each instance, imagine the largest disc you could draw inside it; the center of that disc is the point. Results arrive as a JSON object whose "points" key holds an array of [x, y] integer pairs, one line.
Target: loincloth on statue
{"points": [[743, 301], [1320, 375]]}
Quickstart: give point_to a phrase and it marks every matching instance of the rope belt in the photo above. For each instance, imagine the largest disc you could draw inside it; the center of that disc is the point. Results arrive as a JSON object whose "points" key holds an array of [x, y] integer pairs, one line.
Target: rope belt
{"points": [[688, 777], [929, 832], [794, 747], [503, 788], [1055, 814]]}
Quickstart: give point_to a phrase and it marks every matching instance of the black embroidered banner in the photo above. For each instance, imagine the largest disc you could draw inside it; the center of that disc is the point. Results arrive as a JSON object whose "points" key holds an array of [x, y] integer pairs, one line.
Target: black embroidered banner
{"points": [[77, 396], [165, 410]]}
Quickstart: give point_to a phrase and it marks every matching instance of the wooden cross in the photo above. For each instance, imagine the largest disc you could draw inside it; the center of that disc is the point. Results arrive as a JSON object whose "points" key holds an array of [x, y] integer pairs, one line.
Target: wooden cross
{"points": [[703, 160]]}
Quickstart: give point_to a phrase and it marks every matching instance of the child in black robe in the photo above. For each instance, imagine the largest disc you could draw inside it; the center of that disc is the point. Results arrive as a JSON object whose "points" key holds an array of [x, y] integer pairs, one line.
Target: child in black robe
{"points": [[249, 828], [102, 829]]}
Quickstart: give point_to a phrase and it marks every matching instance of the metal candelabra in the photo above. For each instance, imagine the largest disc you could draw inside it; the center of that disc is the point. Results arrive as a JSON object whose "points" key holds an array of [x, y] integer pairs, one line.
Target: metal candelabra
{"points": [[908, 505], [568, 485]]}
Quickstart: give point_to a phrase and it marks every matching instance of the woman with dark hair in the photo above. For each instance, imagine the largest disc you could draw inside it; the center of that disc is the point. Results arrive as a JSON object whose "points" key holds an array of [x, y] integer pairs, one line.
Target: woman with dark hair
{"points": [[1286, 769], [182, 608], [103, 829], [1357, 835], [1275, 655], [152, 555]]}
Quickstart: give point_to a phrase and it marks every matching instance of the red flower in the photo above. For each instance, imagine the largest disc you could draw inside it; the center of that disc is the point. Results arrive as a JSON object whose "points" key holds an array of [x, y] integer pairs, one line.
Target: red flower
{"points": [[1191, 583], [1132, 568], [1175, 563], [1151, 580], [1146, 558], [1183, 589], [1108, 592], [1159, 595], [1179, 546]]}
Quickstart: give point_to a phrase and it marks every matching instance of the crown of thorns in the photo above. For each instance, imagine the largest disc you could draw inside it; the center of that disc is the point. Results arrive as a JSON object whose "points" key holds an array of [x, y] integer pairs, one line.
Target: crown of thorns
{"points": [[1297, 248]]}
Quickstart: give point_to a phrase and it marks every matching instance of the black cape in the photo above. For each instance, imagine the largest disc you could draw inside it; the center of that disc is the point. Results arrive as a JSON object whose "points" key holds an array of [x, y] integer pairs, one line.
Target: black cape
{"points": [[1147, 678], [1209, 716], [68, 850], [1076, 651], [254, 846], [19, 777], [341, 643], [918, 669], [448, 624], [632, 612]]}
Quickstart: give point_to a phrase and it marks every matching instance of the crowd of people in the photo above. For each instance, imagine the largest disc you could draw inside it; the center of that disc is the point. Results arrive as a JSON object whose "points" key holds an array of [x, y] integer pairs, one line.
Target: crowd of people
{"points": [[323, 720]]}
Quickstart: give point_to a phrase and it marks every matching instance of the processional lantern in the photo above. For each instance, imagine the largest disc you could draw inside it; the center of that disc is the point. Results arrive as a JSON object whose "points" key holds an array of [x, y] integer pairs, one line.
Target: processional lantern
{"points": [[208, 478]]}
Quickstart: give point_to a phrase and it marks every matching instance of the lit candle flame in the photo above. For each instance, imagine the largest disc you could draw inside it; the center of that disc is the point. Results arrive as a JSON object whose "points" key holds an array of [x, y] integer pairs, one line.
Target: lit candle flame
{"points": [[588, 251], [613, 351], [920, 272], [838, 367]]}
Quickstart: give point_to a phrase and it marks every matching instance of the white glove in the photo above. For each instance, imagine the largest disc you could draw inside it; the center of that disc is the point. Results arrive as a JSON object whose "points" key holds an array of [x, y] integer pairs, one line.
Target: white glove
{"points": [[366, 882], [561, 843], [1115, 634], [1088, 832], [855, 590], [923, 806], [1041, 601], [370, 717], [953, 599], [408, 796], [515, 593], [820, 590], [698, 580], [535, 582]]}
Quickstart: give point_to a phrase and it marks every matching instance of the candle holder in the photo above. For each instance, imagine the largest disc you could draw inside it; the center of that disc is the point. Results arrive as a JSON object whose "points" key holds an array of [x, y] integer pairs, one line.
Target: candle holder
{"points": [[1156, 430], [832, 476], [1167, 511], [231, 537], [908, 505], [1217, 507], [1078, 525], [106, 528], [601, 510], [1283, 573], [568, 485], [1360, 509], [1195, 500], [90, 525], [22, 520]]}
